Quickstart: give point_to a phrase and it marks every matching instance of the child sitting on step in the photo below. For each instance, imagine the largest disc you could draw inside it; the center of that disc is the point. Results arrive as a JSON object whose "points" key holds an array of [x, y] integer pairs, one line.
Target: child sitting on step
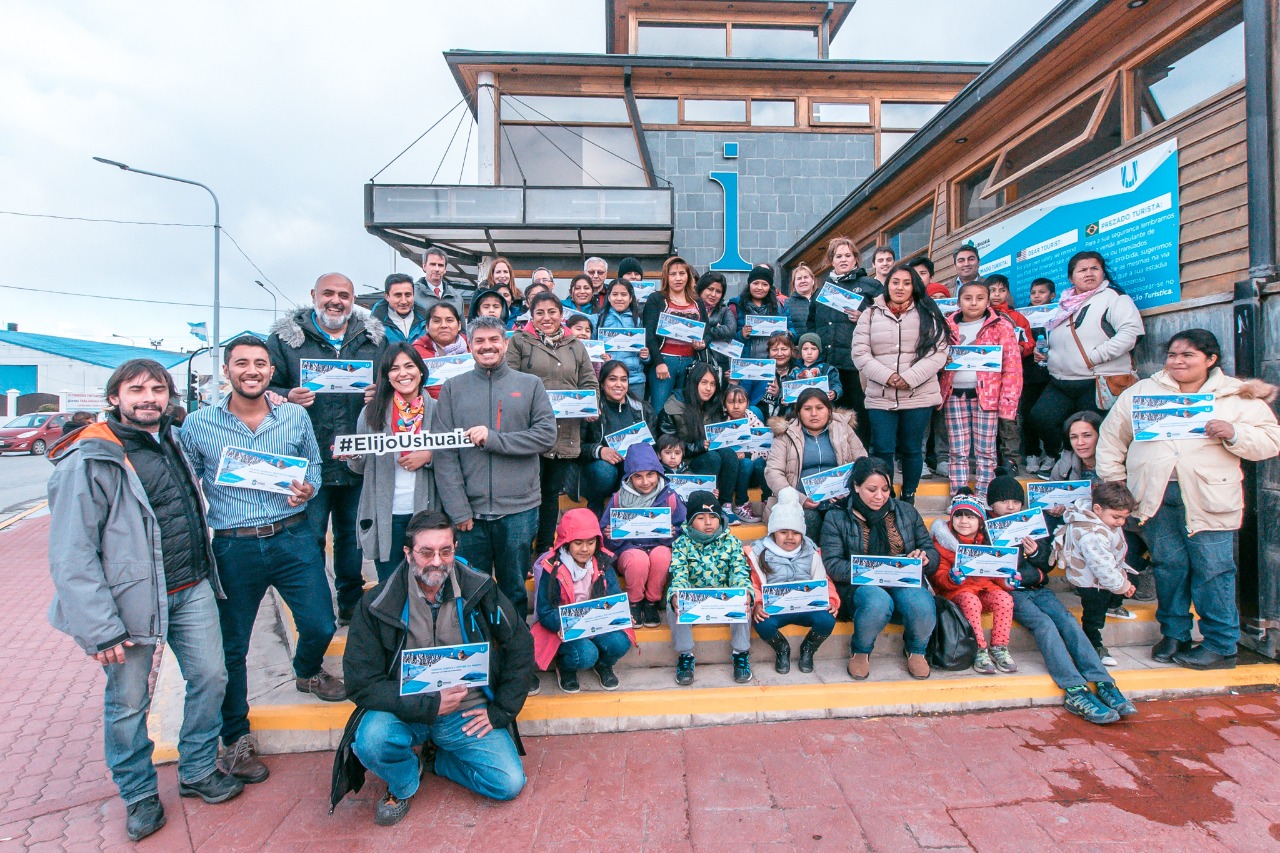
{"points": [[966, 525], [812, 366], [707, 555]]}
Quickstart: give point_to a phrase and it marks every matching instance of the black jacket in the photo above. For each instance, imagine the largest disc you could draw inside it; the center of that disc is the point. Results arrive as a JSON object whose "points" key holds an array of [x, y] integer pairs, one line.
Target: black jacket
{"points": [[653, 308], [842, 538], [613, 417], [377, 636], [834, 327], [293, 338], [672, 421], [1034, 569]]}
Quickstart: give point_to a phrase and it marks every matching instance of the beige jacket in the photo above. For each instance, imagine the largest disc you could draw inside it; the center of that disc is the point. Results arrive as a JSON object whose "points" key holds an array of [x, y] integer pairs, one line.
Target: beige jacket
{"points": [[566, 367], [885, 344], [786, 457], [1208, 470]]}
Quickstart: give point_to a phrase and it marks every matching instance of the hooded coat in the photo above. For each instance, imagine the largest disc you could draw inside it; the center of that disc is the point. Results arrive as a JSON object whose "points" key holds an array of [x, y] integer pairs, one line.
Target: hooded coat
{"points": [[564, 366], [786, 457], [884, 343], [642, 457], [474, 311]]}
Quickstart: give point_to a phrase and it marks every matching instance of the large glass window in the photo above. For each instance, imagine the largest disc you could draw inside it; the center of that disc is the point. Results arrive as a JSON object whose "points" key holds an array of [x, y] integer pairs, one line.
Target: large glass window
{"points": [[564, 109], [830, 113], [970, 204], [906, 116], [891, 142], [715, 111], [912, 235], [1194, 69], [1106, 139], [546, 155], [775, 42], [701, 40], [659, 110], [773, 113]]}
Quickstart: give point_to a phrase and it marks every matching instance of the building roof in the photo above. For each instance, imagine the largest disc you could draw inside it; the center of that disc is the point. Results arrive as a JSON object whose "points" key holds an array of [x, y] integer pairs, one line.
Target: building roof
{"points": [[90, 352], [781, 12]]}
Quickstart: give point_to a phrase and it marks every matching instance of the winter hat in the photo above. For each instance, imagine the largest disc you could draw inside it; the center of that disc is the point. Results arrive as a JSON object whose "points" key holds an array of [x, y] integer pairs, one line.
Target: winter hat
{"points": [[1005, 488], [761, 272], [627, 265], [966, 500], [702, 501], [787, 513], [810, 338]]}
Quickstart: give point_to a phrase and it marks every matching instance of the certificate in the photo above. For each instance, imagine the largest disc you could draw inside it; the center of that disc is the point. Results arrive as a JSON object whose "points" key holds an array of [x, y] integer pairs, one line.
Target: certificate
{"points": [[1038, 315], [728, 433], [986, 561], [712, 606], [1013, 528], [1063, 493], [1171, 417], [622, 340], [984, 359], [686, 484], [447, 367], [574, 404], [646, 522], [753, 369], [947, 304], [729, 349], [680, 328], [644, 289], [637, 433], [441, 667], [840, 299], [595, 349], [828, 484], [763, 326], [595, 616], [795, 597], [262, 472], [761, 441], [335, 376], [791, 388], [886, 571]]}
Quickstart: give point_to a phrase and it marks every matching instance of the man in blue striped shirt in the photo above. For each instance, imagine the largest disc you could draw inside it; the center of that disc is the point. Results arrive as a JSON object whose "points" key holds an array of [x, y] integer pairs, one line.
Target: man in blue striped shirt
{"points": [[260, 539]]}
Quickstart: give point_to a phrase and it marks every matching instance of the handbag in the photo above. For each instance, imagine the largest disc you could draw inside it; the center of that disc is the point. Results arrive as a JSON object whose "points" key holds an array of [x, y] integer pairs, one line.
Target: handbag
{"points": [[953, 645], [1106, 388]]}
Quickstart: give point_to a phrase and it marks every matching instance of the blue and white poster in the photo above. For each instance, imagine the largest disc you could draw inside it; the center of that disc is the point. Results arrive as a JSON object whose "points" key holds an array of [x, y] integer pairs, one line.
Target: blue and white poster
{"points": [[1128, 213]]}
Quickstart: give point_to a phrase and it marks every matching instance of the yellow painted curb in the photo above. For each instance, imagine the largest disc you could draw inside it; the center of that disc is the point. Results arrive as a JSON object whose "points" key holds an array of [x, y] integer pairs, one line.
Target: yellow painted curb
{"points": [[29, 511]]}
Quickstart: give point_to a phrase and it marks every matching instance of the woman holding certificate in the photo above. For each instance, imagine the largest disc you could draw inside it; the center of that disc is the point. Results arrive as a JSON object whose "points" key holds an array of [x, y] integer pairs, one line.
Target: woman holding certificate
{"points": [[670, 357], [444, 337], [544, 348], [722, 324], [396, 485], [834, 320], [622, 313], [601, 459], [759, 317], [1188, 489]]}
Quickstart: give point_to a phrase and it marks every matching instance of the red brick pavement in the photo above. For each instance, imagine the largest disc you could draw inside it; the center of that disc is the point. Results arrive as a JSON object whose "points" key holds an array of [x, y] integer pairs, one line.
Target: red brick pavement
{"points": [[1196, 774]]}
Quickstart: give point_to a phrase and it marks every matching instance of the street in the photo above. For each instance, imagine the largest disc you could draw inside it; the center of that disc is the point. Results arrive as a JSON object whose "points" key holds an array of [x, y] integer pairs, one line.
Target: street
{"points": [[22, 482]]}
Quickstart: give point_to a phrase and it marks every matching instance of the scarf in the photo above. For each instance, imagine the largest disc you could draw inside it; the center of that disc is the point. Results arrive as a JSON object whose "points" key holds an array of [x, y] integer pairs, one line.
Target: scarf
{"points": [[553, 340], [877, 529], [408, 413], [700, 538], [575, 571], [629, 498], [458, 347], [1071, 302], [896, 311]]}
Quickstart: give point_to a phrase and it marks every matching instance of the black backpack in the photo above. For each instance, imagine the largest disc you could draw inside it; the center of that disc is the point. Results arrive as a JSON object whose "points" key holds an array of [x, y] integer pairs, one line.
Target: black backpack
{"points": [[953, 644]]}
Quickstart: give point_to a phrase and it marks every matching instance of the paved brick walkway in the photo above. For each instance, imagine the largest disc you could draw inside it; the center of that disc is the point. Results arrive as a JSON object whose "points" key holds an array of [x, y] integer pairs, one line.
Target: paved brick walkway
{"points": [[1187, 775]]}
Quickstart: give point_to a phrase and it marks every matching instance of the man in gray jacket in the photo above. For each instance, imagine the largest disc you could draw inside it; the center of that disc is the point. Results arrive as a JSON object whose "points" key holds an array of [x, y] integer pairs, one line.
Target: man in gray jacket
{"points": [[132, 569], [491, 491]]}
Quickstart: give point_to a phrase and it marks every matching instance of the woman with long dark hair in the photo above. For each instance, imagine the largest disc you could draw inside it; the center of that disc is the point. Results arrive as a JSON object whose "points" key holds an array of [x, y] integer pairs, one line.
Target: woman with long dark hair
{"points": [[621, 312], [721, 322], [444, 336], [669, 359], [619, 408], [758, 299], [686, 415]]}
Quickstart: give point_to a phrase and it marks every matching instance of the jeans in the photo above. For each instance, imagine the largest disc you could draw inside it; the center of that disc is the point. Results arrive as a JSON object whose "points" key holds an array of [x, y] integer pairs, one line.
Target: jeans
{"points": [[606, 649], [551, 479], [750, 472], [874, 606], [488, 765], [291, 562], [723, 463], [1068, 654], [341, 503], [502, 547], [819, 621], [661, 389], [1094, 604], [901, 433], [1060, 400], [196, 642], [1189, 570], [938, 437], [399, 525], [682, 634], [1031, 437], [600, 480]]}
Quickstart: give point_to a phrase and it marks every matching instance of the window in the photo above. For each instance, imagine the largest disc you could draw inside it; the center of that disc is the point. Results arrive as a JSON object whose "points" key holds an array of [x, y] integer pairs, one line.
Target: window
{"points": [[774, 42], [702, 40], [715, 111], [829, 113], [773, 113], [27, 421], [542, 108], [905, 116], [1107, 138], [970, 204], [658, 110], [866, 253], [912, 235], [547, 155], [1206, 62], [891, 142]]}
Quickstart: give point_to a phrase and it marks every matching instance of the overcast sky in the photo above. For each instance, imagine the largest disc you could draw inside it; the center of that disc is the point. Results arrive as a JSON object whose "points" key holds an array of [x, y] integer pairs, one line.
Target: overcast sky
{"points": [[285, 109]]}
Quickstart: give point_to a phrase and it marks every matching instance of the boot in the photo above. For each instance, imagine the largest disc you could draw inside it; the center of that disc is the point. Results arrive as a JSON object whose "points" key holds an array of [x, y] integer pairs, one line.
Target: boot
{"points": [[808, 646], [781, 653]]}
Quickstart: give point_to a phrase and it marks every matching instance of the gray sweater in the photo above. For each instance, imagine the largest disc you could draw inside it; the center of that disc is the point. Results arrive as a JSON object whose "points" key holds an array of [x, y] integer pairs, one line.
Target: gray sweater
{"points": [[373, 518]]}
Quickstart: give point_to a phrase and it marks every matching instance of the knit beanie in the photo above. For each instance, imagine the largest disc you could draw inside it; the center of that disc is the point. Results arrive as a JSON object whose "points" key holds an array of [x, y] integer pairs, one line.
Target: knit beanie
{"points": [[966, 500], [761, 272], [703, 501], [810, 338], [1005, 488], [627, 265], [787, 513]]}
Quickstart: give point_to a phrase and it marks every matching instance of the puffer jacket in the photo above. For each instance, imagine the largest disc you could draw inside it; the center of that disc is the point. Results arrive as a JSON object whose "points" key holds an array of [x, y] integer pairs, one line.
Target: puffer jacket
{"points": [[786, 457], [884, 343], [563, 367], [1208, 470], [719, 563], [843, 531], [610, 319], [642, 457], [798, 309], [743, 309], [997, 392], [1091, 552], [768, 567], [1109, 326], [834, 327], [722, 325], [946, 542]]}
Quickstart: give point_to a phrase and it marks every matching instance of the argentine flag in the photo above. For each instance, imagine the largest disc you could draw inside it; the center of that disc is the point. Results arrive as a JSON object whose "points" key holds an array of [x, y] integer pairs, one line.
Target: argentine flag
{"points": [[200, 330]]}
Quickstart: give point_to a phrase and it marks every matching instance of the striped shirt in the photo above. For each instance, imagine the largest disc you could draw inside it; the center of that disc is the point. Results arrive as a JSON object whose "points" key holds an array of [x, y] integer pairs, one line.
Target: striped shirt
{"points": [[285, 431]]}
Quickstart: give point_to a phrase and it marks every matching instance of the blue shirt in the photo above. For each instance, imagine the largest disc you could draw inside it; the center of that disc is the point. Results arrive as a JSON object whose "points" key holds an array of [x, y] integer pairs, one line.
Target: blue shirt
{"points": [[285, 431]]}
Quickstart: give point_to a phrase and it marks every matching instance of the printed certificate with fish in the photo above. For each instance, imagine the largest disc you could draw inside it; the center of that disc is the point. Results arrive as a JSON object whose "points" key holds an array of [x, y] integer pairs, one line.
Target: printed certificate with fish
{"points": [[637, 433], [729, 349], [728, 433], [827, 485], [595, 349], [764, 326], [794, 597], [447, 367], [1171, 417], [840, 299], [791, 388], [1060, 493], [263, 472], [713, 605], [574, 404], [335, 376], [866, 570], [987, 561], [983, 359], [441, 667], [752, 369], [680, 328], [595, 616], [645, 522], [686, 484], [622, 340], [1013, 528], [1038, 316]]}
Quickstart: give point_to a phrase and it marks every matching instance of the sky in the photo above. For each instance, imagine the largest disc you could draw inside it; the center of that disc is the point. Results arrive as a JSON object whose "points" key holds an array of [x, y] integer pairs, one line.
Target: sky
{"points": [[285, 109]]}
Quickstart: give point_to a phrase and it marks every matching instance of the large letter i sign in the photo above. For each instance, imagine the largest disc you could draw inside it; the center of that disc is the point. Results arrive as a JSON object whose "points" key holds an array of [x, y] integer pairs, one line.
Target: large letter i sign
{"points": [[730, 259]]}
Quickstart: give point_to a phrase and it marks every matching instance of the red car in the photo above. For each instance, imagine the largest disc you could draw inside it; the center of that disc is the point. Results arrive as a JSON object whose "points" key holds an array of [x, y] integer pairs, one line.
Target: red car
{"points": [[32, 433]]}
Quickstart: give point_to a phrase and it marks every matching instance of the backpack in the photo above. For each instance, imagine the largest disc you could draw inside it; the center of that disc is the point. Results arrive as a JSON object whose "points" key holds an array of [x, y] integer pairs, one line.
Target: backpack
{"points": [[953, 645]]}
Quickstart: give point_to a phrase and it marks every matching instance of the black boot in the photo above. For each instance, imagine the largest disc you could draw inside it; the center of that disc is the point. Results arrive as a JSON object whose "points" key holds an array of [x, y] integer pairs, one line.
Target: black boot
{"points": [[781, 653], [808, 646]]}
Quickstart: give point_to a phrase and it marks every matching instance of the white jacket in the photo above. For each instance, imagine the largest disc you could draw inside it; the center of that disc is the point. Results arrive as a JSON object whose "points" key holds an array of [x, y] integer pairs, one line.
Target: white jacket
{"points": [[1109, 353], [1091, 553]]}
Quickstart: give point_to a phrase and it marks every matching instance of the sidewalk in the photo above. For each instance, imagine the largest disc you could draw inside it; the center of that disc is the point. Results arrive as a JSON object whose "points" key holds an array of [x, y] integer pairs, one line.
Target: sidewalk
{"points": [[1195, 774]]}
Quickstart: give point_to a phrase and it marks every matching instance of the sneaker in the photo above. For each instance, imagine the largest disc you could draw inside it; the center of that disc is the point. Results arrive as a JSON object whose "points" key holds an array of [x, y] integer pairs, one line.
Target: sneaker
{"points": [[1002, 659], [217, 787], [1146, 584], [650, 617], [536, 688], [925, 471], [637, 614], [1105, 657], [1114, 699], [730, 516], [568, 680], [1120, 613], [323, 686], [742, 667], [144, 817], [1046, 470], [748, 517], [604, 672], [390, 811], [1085, 705], [684, 670], [982, 663], [240, 759], [1033, 464]]}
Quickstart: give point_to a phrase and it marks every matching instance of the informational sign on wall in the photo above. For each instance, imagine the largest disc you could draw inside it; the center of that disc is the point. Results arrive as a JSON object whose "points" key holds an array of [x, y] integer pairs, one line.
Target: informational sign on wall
{"points": [[1128, 213]]}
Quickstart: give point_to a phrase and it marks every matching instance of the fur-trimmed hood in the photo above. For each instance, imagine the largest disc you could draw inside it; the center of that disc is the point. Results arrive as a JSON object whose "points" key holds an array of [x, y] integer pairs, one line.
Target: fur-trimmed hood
{"points": [[292, 327], [1222, 385]]}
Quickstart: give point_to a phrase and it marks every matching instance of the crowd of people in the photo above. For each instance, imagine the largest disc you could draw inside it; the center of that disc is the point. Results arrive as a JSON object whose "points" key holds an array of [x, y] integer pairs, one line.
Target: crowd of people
{"points": [[856, 373]]}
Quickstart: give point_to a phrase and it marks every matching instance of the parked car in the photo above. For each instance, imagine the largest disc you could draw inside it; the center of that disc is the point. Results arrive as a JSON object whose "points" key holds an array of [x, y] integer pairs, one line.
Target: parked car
{"points": [[32, 433]]}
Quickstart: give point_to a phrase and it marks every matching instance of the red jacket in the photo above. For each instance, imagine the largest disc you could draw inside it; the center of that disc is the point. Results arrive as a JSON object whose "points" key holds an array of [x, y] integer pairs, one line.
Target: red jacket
{"points": [[997, 392], [945, 540], [427, 349], [1026, 339]]}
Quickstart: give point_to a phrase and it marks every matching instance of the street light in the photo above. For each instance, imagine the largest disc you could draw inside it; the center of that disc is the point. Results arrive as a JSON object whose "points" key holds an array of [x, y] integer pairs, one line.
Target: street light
{"points": [[215, 340], [275, 314], [131, 341]]}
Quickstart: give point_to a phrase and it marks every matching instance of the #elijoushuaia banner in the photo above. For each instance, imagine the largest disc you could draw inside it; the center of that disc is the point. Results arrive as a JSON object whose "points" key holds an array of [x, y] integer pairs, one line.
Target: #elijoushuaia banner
{"points": [[1128, 213]]}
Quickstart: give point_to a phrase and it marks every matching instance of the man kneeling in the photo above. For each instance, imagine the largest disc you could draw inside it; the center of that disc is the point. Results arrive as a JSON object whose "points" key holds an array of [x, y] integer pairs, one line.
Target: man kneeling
{"points": [[435, 599]]}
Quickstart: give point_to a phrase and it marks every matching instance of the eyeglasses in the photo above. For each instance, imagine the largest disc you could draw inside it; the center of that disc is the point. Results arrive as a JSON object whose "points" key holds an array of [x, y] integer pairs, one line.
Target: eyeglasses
{"points": [[429, 554]]}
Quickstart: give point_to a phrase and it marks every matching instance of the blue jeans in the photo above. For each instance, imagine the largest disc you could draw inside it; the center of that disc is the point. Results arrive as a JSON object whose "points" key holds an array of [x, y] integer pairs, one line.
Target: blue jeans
{"points": [[399, 526], [196, 642], [819, 621], [874, 606], [1068, 654], [341, 504], [488, 765], [661, 389], [503, 547], [607, 649], [291, 562], [1199, 570], [599, 480], [901, 433], [750, 472]]}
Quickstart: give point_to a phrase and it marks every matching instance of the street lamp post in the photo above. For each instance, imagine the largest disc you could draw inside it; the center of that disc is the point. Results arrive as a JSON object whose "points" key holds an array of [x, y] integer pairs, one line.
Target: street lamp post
{"points": [[214, 340], [131, 341], [275, 313]]}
